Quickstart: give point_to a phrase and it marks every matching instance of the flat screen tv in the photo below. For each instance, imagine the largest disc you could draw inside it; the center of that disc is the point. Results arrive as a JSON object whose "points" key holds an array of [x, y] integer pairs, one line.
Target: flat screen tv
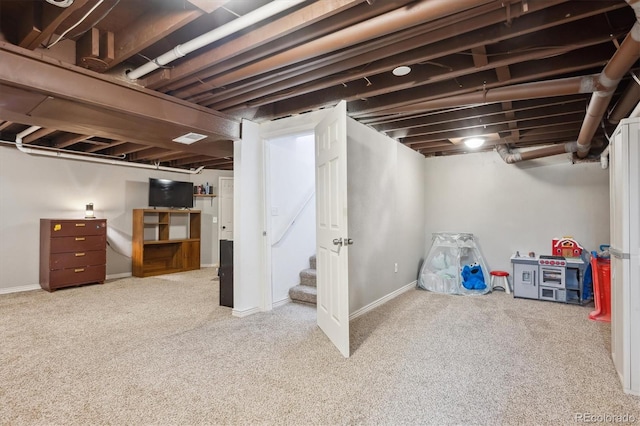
{"points": [[170, 193]]}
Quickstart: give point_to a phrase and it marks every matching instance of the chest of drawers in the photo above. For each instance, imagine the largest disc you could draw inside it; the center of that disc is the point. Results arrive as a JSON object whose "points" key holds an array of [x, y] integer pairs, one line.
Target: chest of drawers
{"points": [[72, 252]]}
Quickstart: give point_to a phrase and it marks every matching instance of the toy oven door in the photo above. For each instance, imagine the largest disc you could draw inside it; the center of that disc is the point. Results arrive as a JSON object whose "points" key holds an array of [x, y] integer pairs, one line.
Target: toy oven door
{"points": [[552, 276]]}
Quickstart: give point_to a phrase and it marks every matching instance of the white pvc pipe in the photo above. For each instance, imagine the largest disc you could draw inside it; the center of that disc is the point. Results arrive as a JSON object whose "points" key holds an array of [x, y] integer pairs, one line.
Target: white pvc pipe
{"points": [[244, 21], [34, 151]]}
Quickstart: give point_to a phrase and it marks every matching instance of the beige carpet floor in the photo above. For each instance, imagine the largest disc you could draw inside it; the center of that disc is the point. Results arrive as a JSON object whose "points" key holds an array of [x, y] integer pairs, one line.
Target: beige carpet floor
{"points": [[160, 351]]}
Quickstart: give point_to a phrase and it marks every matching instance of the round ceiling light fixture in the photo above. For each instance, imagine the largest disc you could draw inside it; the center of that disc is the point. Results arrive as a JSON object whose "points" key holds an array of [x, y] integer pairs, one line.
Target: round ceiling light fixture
{"points": [[400, 71], [474, 142]]}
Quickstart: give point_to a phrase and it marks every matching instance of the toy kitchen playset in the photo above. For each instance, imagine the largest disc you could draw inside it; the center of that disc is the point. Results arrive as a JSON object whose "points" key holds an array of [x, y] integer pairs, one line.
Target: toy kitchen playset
{"points": [[557, 277]]}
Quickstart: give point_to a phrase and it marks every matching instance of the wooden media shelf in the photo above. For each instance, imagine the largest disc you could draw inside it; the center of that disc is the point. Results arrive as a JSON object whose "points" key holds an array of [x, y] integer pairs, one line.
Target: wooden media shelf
{"points": [[165, 241]]}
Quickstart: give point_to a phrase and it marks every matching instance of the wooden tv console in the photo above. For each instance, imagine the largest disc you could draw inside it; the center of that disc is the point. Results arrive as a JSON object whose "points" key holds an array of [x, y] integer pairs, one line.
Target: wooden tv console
{"points": [[165, 241]]}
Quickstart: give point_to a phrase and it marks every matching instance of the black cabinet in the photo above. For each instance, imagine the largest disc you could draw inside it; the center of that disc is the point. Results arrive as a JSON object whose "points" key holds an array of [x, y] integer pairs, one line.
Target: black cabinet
{"points": [[225, 272]]}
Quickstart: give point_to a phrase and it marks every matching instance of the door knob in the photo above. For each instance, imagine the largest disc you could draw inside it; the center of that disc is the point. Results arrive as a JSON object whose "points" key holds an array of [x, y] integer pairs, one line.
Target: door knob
{"points": [[224, 227], [348, 241], [337, 241]]}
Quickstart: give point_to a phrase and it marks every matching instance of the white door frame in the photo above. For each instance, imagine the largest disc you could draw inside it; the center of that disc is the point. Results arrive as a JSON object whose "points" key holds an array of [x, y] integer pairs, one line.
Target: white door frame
{"points": [[300, 124]]}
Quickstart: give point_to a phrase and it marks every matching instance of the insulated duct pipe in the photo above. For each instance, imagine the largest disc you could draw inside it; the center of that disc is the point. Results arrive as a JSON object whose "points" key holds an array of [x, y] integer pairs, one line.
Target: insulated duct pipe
{"points": [[251, 18], [511, 158], [58, 154], [516, 92], [624, 58]]}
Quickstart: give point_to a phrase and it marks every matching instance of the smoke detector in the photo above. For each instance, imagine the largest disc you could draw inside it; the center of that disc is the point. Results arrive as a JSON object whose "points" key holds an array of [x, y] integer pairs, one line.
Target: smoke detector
{"points": [[400, 71]]}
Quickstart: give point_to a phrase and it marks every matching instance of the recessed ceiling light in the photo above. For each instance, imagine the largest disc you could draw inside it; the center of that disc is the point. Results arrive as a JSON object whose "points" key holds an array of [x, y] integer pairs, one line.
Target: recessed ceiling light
{"points": [[400, 71], [189, 138], [474, 142]]}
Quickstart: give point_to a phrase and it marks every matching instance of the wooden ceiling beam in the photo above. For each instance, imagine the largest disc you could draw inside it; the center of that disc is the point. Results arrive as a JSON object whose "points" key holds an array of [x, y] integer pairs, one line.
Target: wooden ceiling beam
{"points": [[499, 128], [301, 97], [111, 144], [578, 60], [149, 153], [187, 73], [443, 41], [155, 25], [114, 109], [475, 112], [400, 98], [69, 139], [127, 148], [52, 17], [374, 54], [41, 133], [179, 155], [218, 163], [492, 120], [479, 54]]}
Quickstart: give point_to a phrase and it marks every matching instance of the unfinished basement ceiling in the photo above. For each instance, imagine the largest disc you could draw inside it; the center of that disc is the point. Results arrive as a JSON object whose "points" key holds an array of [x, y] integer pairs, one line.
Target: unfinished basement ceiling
{"points": [[514, 70]]}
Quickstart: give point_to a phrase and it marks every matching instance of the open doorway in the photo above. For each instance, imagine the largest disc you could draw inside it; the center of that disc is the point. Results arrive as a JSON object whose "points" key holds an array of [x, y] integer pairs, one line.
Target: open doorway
{"points": [[290, 212], [290, 171]]}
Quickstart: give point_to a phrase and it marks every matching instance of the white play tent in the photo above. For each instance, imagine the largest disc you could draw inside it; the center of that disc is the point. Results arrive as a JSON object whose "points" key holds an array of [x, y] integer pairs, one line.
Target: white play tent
{"points": [[454, 265]]}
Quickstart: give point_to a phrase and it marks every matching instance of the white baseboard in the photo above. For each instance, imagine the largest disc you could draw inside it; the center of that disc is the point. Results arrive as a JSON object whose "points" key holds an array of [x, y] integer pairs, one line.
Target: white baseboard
{"points": [[280, 303], [20, 288], [382, 300], [245, 313]]}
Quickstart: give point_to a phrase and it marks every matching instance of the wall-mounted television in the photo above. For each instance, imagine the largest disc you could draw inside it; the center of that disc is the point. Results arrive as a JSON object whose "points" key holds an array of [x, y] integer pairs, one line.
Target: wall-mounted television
{"points": [[170, 193]]}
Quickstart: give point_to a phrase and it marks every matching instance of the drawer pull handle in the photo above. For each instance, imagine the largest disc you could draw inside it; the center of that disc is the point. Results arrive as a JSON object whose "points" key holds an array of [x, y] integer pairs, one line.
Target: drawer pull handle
{"points": [[79, 254], [79, 270], [79, 238], [80, 224]]}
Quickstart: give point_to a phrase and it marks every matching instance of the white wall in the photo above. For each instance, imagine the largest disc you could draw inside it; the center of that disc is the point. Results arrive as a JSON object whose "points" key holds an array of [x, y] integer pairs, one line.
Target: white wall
{"points": [[290, 195], [248, 223], [34, 187], [386, 209], [516, 207]]}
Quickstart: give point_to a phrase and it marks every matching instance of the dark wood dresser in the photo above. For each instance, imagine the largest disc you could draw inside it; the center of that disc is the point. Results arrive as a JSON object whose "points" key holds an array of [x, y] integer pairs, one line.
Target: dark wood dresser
{"points": [[72, 252]]}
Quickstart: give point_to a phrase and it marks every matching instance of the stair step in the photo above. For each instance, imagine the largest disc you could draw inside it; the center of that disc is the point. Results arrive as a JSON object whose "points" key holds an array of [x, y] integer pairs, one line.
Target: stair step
{"points": [[308, 277], [312, 261], [304, 294]]}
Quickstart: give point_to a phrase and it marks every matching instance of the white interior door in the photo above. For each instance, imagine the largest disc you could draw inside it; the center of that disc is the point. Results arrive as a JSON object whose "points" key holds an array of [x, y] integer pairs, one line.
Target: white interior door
{"points": [[225, 208], [331, 227]]}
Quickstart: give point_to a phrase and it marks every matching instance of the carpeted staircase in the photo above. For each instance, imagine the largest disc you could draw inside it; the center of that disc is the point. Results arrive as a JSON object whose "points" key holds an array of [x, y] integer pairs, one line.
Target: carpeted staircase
{"points": [[306, 291]]}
